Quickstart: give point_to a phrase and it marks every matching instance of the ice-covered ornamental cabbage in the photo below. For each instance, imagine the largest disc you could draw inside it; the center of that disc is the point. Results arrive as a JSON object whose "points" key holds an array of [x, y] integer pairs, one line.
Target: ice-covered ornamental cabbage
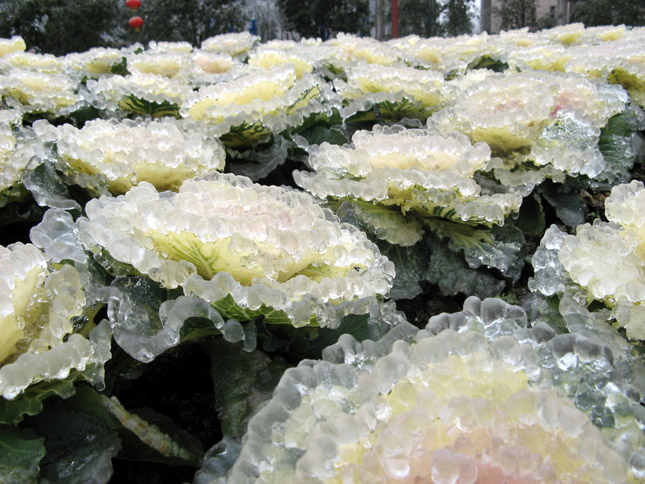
{"points": [[142, 93], [273, 97], [411, 169], [550, 121], [604, 259], [14, 44], [234, 44], [163, 153], [400, 91], [476, 397], [38, 92], [37, 312], [273, 252]]}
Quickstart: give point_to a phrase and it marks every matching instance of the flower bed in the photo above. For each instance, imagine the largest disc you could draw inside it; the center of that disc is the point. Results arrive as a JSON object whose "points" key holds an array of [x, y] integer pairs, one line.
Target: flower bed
{"points": [[431, 249]]}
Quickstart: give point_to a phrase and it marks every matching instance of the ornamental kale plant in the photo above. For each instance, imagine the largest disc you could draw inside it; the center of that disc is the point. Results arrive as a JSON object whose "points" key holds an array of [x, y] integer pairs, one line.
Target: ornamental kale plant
{"points": [[350, 261]]}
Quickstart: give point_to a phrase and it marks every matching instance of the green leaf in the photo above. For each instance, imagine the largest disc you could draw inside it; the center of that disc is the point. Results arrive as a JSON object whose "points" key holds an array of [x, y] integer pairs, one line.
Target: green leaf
{"points": [[229, 309], [14, 193], [198, 328], [411, 264], [569, 206], [242, 382], [245, 136], [617, 143], [634, 85], [309, 342], [80, 447], [453, 275], [20, 454], [531, 219], [502, 248], [392, 111], [382, 222], [113, 266], [120, 68], [321, 134], [30, 402], [83, 115], [488, 62], [137, 105], [48, 189], [326, 120]]}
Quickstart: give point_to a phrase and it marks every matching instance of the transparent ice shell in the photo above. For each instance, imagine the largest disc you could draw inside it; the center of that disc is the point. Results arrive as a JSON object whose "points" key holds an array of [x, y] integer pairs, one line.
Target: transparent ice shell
{"points": [[604, 261], [368, 85], [274, 97], [108, 92], [551, 121], [125, 153], [478, 396], [413, 169], [225, 236], [37, 313], [38, 92], [234, 44], [173, 65], [14, 44]]}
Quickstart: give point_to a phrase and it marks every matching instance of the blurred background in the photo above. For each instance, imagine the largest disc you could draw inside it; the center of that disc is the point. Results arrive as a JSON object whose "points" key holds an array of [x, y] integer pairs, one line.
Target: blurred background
{"points": [[63, 26]]}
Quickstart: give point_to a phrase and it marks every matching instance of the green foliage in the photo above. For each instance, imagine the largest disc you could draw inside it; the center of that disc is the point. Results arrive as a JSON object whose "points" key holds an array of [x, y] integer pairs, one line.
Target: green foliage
{"points": [[311, 20], [155, 110], [448, 270], [190, 20], [31, 401], [309, 342], [83, 452], [420, 17], [435, 17], [531, 219], [566, 201], [516, 14], [20, 454], [60, 26], [608, 12], [459, 17], [488, 62], [411, 264], [618, 144], [502, 248], [242, 382], [228, 308]]}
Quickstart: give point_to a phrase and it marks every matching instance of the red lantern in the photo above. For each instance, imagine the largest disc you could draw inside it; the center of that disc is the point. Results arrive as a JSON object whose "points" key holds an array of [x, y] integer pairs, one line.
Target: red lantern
{"points": [[133, 4], [136, 23]]}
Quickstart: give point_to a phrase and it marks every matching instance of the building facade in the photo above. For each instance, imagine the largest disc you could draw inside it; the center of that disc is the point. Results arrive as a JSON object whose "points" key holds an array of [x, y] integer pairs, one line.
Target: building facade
{"points": [[547, 12]]}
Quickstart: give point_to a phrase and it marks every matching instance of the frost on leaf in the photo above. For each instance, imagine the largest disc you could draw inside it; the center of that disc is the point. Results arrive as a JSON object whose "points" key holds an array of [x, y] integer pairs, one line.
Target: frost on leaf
{"points": [[226, 240], [38, 310], [478, 396]]}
